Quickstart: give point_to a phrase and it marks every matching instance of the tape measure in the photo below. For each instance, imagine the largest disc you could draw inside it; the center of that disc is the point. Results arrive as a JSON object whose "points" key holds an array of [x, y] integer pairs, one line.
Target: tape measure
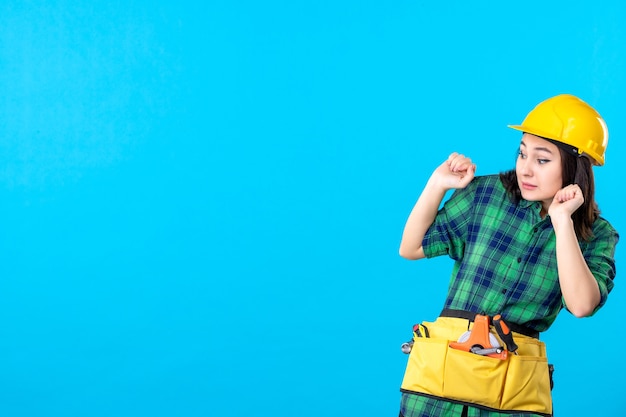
{"points": [[492, 340]]}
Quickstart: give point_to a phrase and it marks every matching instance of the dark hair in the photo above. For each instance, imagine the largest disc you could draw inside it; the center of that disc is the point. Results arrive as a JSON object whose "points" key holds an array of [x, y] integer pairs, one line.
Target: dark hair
{"points": [[575, 170]]}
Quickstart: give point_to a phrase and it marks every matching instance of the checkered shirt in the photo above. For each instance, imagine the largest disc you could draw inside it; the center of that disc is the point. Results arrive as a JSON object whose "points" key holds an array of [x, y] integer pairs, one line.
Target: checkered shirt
{"points": [[505, 255]]}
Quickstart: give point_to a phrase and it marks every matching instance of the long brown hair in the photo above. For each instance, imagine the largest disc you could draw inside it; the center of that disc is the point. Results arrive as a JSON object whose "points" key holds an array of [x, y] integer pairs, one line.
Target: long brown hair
{"points": [[575, 170]]}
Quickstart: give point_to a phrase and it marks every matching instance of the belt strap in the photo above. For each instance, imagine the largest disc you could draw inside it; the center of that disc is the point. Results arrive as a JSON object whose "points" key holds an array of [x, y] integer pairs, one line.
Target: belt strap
{"points": [[468, 315]]}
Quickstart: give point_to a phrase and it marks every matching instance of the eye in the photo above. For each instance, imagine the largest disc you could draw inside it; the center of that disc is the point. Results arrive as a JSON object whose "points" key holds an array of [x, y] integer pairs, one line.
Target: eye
{"points": [[543, 161], [521, 155]]}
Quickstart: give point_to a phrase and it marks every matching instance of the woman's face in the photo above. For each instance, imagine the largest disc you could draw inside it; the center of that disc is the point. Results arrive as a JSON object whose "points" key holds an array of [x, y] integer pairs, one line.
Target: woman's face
{"points": [[538, 168]]}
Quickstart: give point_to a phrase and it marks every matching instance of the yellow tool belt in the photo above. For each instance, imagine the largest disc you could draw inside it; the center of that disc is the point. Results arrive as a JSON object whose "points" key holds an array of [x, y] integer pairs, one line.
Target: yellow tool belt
{"points": [[520, 383]]}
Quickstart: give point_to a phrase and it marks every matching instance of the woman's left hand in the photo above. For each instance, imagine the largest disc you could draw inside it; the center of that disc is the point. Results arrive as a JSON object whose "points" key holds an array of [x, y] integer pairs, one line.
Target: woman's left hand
{"points": [[566, 201]]}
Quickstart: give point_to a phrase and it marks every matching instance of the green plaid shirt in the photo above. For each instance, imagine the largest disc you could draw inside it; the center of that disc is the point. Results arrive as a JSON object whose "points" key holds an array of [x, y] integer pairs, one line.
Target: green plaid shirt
{"points": [[505, 255]]}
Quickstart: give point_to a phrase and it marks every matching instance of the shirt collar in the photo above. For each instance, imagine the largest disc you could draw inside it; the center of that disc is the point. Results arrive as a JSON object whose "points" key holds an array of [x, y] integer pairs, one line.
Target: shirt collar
{"points": [[535, 207], [526, 204]]}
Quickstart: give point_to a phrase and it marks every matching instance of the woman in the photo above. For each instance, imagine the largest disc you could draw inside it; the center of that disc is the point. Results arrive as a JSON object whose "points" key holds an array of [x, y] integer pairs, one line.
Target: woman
{"points": [[526, 243]]}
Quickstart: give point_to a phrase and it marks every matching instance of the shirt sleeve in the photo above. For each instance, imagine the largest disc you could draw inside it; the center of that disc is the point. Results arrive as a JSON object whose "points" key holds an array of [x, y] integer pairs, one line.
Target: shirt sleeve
{"points": [[448, 233], [599, 254]]}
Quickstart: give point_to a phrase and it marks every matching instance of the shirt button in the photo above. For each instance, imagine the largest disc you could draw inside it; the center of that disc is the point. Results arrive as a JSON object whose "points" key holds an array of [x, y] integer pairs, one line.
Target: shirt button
{"points": [[535, 229], [503, 291], [519, 260]]}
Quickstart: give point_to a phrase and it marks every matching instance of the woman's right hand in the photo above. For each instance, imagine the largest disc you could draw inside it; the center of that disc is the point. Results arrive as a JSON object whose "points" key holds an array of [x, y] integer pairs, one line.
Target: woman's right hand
{"points": [[456, 172]]}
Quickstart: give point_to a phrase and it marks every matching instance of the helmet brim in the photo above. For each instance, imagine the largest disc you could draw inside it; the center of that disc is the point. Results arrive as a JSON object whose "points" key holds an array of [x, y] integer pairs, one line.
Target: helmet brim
{"points": [[596, 158], [532, 131]]}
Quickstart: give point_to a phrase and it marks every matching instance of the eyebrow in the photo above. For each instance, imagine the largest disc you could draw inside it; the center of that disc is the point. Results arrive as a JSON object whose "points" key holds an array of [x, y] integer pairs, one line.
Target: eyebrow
{"points": [[540, 148]]}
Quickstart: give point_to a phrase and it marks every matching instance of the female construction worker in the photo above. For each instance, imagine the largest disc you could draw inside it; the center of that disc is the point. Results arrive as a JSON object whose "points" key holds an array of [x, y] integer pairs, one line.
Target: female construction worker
{"points": [[526, 243]]}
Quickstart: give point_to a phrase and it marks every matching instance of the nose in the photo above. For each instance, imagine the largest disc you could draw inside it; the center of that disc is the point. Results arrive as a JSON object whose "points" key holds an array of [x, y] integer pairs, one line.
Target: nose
{"points": [[524, 167]]}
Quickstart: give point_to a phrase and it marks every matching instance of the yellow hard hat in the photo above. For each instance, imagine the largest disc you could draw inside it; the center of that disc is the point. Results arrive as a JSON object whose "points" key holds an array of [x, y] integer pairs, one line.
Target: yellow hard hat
{"points": [[567, 119]]}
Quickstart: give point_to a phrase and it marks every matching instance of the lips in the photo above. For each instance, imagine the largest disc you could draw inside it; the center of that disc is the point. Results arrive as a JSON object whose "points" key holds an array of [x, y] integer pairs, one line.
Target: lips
{"points": [[527, 186]]}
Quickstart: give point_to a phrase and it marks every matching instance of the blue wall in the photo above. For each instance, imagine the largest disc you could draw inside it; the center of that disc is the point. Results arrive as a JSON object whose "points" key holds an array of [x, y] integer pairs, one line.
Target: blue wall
{"points": [[202, 201]]}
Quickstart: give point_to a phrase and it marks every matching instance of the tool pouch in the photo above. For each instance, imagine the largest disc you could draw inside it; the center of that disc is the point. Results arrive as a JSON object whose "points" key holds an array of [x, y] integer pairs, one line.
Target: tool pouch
{"points": [[519, 383]]}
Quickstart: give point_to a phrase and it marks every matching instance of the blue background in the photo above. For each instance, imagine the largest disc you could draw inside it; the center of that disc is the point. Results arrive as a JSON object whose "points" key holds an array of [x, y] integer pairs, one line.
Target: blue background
{"points": [[202, 201]]}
